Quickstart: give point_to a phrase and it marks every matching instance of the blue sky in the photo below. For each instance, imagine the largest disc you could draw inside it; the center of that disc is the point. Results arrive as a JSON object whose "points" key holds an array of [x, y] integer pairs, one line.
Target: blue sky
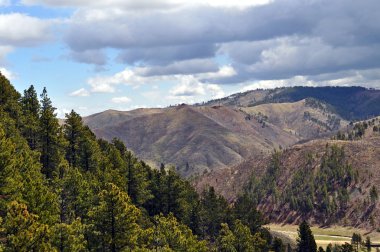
{"points": [[124, 54]]}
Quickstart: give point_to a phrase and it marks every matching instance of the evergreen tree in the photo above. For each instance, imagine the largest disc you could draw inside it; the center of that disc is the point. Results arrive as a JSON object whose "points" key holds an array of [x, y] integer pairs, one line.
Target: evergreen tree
{"points": [[9, 98], [50, 137], [245, 210], [23, 230], [356, 241], [69, 237], [368, 243], [31, 112], [213, 213], [373, 194], [329, 248], [305, 241], [114, 221], [169, 233], [278, 245], [73, 130], [226, 239], [244, 240]]}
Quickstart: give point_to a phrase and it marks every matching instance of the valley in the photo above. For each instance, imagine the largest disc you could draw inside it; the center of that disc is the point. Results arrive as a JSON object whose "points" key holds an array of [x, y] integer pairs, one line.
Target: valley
{"points": [[230, 143]]}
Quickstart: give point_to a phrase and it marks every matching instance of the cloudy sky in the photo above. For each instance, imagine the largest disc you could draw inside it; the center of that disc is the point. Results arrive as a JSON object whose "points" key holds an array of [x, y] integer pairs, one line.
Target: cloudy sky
{"points": [[123, 54]]}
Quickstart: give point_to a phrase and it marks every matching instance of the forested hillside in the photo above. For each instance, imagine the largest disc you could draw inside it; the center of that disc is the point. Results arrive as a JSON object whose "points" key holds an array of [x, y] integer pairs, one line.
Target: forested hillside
{"points": [[62, 189], [327, 181]]}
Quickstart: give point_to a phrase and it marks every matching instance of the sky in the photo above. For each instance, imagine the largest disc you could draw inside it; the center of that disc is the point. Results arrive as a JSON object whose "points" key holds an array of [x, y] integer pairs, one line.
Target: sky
{"points": [[125, 54]]}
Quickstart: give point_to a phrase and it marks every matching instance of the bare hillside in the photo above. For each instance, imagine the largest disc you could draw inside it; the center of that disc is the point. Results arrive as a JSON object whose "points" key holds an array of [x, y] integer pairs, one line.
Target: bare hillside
{"points": [[198, 139]]}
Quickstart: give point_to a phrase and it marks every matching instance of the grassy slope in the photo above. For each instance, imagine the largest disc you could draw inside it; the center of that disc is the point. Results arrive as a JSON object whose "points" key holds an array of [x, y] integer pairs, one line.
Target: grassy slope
{"points": [[326, 235], [206, 138]]}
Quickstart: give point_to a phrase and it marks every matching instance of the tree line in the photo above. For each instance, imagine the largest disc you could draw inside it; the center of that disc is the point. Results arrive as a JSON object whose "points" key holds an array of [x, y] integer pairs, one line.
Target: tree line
{"points": [[63, 189]]}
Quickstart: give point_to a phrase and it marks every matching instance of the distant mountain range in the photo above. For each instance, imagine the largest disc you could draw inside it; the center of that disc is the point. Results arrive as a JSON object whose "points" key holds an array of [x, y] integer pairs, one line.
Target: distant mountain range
{"points": [[228, 144], [225, 132]]}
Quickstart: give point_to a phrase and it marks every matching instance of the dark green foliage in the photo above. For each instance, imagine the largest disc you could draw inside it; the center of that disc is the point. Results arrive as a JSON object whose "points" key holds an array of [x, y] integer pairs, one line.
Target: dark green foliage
{"points": [[278, 245], [245, 210], [61, 189], [368, 243], [356, 241], [9, 98], [31, 115], [213, 212], [50, 137], [329, 248], [311, 189], [305, 241], [259, 190], [373, 194]]}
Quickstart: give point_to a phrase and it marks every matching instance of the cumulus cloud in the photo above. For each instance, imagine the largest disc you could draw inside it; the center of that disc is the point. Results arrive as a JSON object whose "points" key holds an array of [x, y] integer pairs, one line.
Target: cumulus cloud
{"points": [[189, 86], [138, 76], [121, 100], [107, 84], [18, 29], [276, 40], [80, 92], [8, 74]]}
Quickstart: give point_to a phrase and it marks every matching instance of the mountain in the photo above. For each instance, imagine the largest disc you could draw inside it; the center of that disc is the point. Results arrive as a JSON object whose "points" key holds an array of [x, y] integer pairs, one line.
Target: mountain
{"points": [[198, 139], [349, 170], [351, 103]]}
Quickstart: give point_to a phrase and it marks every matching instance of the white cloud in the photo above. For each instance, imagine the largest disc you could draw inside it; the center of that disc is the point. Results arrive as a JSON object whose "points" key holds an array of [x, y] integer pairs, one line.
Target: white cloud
{"points": [[224, 72], [107, 84], [61, 113], [80, 92], [8, 74], [189, 86], [122, 99], [192, 87], [18, 29], [133, 77]]}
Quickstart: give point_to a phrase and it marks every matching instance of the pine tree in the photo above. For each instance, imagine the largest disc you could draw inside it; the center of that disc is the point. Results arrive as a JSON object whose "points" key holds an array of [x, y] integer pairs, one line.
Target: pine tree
{"points": [[31, 112], [22, 181], [373, 194], [50, 137], [138, 183], [226, 239], [213, 213], [114, 221], [356, 241], [23, 230], [9, 98], [69, 237], [368, 243], [244, 239], [73, 130], [245, 210], [169, 233], [278, 245], [305, 241], [329, 248]]}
